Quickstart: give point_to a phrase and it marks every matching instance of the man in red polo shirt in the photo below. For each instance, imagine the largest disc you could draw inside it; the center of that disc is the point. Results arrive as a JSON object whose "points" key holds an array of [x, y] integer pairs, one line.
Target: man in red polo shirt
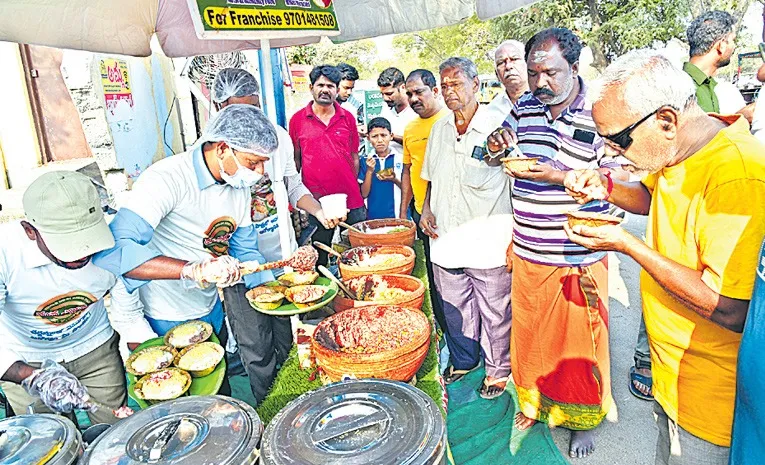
{"points": [[327, 149]]}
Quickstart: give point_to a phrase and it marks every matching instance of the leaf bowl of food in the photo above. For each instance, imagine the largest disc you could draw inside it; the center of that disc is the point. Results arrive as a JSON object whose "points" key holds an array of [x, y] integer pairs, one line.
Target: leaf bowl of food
{"points": [[166, 384], [186, 334], [386, 259], [591, 219], [200, 359], [150, 359], [266, 297], [389, 289], [298, 278], [390, 231], [381, 341], [305, 296], [519, 163]]}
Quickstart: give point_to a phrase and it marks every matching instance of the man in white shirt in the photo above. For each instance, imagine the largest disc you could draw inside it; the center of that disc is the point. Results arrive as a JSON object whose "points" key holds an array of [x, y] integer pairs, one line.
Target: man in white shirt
{"points": [[393, 89], [511, 70], [52, 303], [186, 224], [468, 216], [263, 339]]}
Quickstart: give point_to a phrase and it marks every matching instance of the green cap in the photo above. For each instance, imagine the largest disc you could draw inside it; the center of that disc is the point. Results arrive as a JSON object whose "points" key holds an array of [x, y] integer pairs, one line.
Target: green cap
{"points": [[65, 208]]}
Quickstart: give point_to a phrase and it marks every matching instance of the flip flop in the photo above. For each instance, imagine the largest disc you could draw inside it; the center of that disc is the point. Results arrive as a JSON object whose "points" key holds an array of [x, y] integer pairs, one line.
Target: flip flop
{"points": [[489, 391], [451, 375], [642, 379]]}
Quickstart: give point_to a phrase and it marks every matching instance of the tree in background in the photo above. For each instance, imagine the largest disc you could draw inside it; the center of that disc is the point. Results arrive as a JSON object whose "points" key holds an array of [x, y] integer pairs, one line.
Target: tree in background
{"points": [[360, 54]]}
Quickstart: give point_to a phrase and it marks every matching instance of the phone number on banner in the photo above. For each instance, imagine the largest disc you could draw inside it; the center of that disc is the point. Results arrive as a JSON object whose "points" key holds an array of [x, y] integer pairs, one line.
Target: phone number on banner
{"points": [[244, 18]]}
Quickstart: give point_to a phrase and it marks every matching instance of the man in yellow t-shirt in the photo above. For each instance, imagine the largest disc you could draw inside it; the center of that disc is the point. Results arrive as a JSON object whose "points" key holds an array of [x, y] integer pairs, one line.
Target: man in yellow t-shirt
{"points": [[423, 93], [704, 197]]}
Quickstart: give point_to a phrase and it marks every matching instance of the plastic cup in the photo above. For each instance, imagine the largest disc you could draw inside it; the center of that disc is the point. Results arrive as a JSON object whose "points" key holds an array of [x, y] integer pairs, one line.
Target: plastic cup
{"points": [[334, 205]]}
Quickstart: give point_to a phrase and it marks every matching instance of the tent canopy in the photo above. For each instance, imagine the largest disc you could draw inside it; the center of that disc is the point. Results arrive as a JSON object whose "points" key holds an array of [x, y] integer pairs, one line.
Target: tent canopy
{"points": [[125, 28]]}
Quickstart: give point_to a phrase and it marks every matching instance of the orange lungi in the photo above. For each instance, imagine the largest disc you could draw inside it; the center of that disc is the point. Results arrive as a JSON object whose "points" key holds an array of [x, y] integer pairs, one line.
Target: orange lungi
{"points": [[559, 343]]}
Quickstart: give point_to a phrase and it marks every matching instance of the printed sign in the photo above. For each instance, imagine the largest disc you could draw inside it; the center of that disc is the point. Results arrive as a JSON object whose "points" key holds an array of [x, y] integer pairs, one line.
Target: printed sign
{"points": [[62, 309], [115, 81], [255, 19]]}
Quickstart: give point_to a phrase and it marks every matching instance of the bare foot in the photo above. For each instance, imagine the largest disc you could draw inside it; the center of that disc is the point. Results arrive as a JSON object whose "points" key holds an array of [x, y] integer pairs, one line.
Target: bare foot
{"points": [[582, 444], [642, 388], [522, 422]]}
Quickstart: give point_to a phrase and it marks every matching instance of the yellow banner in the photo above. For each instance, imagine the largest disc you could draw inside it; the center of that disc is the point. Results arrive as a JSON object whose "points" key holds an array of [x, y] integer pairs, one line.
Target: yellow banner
{"points": [[248, 19]]}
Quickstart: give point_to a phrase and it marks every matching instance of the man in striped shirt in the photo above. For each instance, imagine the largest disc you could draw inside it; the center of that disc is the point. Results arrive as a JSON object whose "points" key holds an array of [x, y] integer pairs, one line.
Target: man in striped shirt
{"points": [[559, 294]]}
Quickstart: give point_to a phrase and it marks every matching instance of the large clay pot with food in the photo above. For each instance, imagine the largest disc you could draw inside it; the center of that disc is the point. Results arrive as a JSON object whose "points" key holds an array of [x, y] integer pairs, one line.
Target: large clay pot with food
{"points": [[388, 289], [390, 231], [386, 259], [382, 341]]}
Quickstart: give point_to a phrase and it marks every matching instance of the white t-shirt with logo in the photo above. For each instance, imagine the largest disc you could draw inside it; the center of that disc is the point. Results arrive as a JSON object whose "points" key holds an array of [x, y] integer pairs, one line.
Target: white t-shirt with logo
{"points": [[193, 219], [47, 311]]}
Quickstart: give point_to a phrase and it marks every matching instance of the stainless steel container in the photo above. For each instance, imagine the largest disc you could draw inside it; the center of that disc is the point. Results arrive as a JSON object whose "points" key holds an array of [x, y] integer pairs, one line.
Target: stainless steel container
{"points": [[203, 430], [42, 438], [358, 422]]}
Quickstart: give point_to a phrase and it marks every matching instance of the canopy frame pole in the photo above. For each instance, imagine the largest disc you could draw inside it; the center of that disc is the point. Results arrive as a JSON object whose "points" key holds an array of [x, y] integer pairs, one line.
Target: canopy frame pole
{"points": [[282, 203]]}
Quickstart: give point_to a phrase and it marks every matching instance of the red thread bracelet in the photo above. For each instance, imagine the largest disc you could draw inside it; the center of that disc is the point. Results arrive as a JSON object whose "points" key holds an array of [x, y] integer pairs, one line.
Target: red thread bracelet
{"points": [[610, 187]]}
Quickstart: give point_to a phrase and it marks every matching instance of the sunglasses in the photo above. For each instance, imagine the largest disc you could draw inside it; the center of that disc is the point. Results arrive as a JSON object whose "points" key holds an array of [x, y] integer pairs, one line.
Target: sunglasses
{"points": [[623, 139]]}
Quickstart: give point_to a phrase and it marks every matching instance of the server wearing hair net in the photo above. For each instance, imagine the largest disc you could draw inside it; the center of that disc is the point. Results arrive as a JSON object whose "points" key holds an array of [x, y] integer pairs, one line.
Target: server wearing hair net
{"points": [[185, 226], [262, 338]]}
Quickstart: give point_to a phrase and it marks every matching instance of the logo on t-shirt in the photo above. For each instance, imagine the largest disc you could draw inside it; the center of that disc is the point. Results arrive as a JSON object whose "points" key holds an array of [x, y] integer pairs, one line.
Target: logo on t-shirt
{"points": [[62, 309], [218, 234], [263, 202]]}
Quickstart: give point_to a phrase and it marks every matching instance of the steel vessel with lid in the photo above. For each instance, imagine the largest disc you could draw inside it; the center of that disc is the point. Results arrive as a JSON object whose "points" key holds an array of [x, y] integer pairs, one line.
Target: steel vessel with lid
{"points": [[358, 422], [39, 439], [200, 430]]}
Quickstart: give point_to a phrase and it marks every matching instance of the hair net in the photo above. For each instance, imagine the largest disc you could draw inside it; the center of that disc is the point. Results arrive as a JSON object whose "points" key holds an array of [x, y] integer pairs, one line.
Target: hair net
{"points": [[244, 128], [234, 82]]}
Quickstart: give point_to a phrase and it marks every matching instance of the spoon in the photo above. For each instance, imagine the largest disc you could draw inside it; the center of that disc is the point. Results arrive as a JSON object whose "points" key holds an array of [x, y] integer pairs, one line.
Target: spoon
{"points": [[328, 274], [352, 228], [304, 259]]}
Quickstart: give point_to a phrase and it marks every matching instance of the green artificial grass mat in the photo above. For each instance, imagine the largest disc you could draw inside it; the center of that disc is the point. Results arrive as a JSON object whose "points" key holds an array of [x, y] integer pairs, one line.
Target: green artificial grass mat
{"points": [[292, 381]]}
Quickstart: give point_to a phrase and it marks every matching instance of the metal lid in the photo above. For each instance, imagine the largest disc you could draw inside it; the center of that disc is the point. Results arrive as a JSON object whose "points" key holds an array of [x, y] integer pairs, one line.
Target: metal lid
{"points": [[43, 438], [190, 431], [361, 422]]}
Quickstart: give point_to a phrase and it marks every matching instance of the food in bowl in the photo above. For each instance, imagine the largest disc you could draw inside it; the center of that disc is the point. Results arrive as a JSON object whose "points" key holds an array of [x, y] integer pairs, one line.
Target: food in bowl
{"points": [[266, 297], [387, 172], [519, 163], [590, 219], [166, 384], [374, 288], [380, 260], [186, 334], [298, 278], [368, 330], [386, 230], [150, 359], [305, 296], [200, 359]]}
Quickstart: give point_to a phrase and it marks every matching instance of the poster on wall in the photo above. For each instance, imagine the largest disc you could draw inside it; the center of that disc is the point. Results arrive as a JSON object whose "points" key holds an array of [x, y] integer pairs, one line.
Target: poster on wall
{"points": [[263, 19], [118, 97]]}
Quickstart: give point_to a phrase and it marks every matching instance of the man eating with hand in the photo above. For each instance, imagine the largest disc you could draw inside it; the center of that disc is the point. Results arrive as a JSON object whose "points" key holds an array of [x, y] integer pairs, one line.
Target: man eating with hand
{"points": [[703, 196]]}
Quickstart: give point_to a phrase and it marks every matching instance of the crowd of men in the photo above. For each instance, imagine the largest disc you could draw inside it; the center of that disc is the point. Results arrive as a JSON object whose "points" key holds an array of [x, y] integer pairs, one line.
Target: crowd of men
{"points": [[516, 289]]}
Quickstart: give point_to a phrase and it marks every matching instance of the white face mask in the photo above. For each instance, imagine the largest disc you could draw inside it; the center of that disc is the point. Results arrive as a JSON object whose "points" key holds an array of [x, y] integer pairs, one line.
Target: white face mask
{"points": [[243, 178]]}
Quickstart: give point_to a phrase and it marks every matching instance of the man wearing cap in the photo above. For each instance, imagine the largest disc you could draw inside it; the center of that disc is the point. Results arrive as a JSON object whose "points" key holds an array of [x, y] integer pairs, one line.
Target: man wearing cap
{"points": [[52, 309], [260, 337], [185, 226]]}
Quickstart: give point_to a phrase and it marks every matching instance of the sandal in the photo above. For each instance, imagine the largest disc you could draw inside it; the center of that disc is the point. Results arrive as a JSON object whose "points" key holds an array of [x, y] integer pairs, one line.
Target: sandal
{"points": [[489, 390], [451, 375], [642, 379]]}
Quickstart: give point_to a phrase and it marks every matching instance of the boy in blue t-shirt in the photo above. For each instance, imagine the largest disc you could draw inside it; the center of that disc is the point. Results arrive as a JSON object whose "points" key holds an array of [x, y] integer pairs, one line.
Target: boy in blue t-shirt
{"points": [[380, 176]]}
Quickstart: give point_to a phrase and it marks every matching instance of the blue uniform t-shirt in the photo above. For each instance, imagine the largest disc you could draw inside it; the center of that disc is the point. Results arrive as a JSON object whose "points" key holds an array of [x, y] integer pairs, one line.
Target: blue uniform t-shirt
{"points": [[381, 202], [748, 443]]}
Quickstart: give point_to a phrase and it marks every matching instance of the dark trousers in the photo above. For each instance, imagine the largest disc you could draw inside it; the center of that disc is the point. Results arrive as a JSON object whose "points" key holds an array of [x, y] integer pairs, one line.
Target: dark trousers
{"points": [[324, 235], [435, 299], [264, 341]]}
